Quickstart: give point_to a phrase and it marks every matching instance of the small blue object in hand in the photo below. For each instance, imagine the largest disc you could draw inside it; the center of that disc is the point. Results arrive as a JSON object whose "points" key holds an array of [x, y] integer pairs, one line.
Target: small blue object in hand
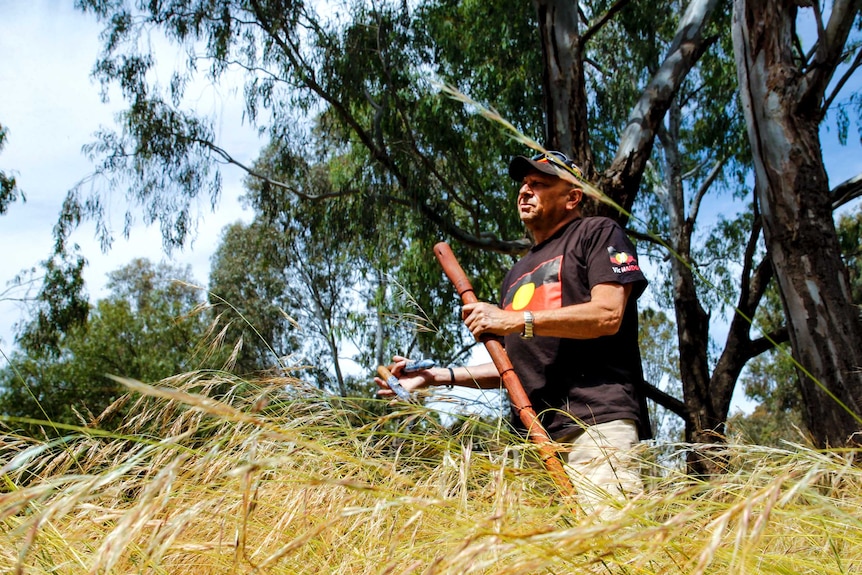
{"points": [[419, 365]]}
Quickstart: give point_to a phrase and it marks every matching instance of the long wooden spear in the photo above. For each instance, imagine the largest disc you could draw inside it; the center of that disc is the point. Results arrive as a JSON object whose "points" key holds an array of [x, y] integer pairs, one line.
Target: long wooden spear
{"points": [[517, 395]]}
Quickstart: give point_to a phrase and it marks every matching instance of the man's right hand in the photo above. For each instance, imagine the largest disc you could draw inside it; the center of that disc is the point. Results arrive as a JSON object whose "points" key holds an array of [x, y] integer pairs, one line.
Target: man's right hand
{"points": [[483, 318], [410, 382]]}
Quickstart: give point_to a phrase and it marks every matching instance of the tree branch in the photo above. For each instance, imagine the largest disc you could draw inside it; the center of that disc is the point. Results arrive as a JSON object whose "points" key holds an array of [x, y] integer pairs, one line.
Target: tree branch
{"points": [[696, 169], [769, 341], [642, 237], [759, 281], [846, 191], [603, 19], [487, 243], [264, 178], [747, 281], [844, 78], [831, 41], [665, 400], [621, 178], [704, 188], [818, 19]]}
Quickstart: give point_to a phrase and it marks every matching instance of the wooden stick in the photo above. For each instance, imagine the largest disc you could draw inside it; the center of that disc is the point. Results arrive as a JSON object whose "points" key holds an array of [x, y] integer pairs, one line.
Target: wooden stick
{"points": [[517, 395]]}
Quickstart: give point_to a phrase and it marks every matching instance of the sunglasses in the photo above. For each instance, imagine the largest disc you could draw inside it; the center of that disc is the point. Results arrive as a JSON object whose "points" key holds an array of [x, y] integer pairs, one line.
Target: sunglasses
{"points": [[558, 158]]}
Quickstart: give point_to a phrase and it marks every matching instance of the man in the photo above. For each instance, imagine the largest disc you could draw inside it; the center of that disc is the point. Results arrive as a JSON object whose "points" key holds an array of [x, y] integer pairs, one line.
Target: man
{"points": [[569, 321]]}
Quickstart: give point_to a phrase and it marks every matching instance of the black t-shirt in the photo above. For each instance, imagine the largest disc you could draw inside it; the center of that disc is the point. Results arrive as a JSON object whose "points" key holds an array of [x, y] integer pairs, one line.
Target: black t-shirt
{"points": [[593, 380]]}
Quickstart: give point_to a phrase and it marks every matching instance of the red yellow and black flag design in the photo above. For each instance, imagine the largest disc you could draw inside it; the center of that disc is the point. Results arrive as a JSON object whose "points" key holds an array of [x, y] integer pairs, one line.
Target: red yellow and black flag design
{"points": [[538, 289]]}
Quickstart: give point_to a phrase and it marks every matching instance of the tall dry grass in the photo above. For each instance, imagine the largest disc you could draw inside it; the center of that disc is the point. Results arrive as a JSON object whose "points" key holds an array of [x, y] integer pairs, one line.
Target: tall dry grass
{"points": [[279, 478]]}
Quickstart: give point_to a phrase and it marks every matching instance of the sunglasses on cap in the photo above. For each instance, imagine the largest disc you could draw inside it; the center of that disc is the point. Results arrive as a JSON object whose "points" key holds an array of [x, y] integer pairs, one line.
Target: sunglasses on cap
{"points": [[558, 158]]}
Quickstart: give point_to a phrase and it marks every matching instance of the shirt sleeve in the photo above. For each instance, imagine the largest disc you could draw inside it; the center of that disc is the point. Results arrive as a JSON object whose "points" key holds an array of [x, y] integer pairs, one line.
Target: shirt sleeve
{"points": [[612, 258]]}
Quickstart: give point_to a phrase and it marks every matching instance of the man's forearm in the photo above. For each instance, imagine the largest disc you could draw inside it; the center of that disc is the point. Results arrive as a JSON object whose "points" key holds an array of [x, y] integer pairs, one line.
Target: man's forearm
{"points": [[482, 376], [600, 316]]}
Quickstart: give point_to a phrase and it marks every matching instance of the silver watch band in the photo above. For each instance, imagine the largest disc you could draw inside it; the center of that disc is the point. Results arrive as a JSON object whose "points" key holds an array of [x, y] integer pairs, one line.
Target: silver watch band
{"points": [[528, 325]]}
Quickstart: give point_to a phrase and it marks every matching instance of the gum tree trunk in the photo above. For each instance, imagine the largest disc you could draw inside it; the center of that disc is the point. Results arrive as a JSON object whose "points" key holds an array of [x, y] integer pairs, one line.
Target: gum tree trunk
{"points": [[782, 102], [566, 126], [564, 86]]}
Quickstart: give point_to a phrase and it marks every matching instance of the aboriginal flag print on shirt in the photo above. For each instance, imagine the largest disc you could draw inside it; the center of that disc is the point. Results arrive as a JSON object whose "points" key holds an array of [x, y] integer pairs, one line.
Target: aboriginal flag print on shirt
{"points": [[537, 289]]}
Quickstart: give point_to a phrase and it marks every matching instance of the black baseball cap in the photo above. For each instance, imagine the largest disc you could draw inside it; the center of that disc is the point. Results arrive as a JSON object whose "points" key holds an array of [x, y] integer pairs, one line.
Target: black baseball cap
{"points": [[550, 163]]}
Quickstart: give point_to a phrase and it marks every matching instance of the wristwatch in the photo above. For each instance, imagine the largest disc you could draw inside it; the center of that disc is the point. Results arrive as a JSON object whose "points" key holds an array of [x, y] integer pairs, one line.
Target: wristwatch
{"points": [[528, 325]]}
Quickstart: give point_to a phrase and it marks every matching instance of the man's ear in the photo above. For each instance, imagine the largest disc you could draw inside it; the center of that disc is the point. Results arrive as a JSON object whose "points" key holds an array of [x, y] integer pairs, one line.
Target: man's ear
{"points": [[575, 196]]}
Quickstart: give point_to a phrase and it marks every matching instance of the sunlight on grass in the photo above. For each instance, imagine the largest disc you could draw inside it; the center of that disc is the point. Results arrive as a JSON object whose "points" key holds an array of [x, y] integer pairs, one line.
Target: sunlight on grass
{"points": [[275, 477]]}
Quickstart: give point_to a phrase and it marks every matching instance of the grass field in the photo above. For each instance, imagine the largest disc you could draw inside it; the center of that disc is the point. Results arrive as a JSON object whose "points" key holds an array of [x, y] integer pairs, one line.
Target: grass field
{"points": [[278, 478]]}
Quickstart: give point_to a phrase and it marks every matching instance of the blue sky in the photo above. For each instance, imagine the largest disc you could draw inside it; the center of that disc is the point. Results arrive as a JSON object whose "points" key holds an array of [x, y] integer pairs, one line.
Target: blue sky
{"points": [[51, 108]]}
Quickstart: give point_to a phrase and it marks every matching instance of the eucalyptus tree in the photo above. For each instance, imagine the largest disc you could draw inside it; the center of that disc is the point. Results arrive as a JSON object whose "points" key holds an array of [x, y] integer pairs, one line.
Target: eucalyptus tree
{"points": [[786, 93], [365, 82], [349, 95], [250, 298], [150, 326], [663, 118], [772, 379], [684, 102], [297, 268], [60, 305], [711, 264], [9, 190], [289, 295]]}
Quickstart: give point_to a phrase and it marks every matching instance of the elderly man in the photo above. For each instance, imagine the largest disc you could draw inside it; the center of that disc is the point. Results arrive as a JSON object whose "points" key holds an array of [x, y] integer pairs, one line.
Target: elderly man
{"points": [[568, 316]]}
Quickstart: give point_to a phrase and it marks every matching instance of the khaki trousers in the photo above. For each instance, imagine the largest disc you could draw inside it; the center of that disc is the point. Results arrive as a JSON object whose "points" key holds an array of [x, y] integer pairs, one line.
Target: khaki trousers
{"points": [[599, 460]]}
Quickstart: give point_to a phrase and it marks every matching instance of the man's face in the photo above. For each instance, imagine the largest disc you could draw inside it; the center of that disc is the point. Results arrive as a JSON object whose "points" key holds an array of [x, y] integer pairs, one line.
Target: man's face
{"points": [[543, 199]]}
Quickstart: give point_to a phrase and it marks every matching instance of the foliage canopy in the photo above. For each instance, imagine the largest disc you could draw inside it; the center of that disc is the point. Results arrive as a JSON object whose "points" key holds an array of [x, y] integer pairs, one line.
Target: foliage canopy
{"points": [[149, 327]]}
